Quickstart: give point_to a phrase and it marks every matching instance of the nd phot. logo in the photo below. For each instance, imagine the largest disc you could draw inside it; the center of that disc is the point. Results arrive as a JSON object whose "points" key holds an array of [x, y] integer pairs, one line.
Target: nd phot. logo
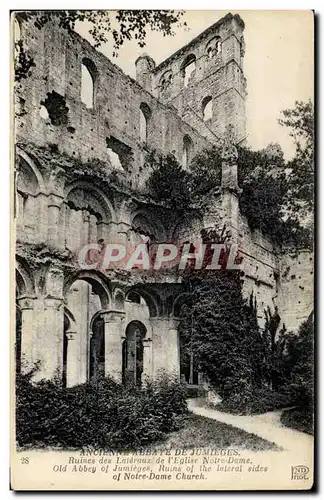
{"points": [[299, 472]]}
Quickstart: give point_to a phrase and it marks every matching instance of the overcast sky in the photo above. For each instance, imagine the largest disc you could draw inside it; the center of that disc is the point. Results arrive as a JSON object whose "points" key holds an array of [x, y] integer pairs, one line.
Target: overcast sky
{"points": [[278, 64]]}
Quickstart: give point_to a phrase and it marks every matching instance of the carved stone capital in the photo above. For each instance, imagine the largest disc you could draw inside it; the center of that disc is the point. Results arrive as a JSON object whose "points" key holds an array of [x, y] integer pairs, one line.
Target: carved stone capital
{"points": [[26, 303], [70, 335], [113, 316], [86, 215], [55, 200], [53, 302], [57, 180], [173, 323]]}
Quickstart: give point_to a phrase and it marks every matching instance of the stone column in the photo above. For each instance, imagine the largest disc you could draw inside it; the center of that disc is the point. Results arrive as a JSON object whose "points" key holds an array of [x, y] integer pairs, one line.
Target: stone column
{"points": [[173, 348], [54, 206], [28, 334], [86, 227], [114, 331], [43, 218], [72, 359], [50, 339], [147, 360], [159, 353]]}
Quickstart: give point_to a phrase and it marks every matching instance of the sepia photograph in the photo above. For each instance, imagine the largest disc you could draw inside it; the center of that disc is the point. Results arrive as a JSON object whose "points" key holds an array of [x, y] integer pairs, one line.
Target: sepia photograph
{"points": [[162, 248]]}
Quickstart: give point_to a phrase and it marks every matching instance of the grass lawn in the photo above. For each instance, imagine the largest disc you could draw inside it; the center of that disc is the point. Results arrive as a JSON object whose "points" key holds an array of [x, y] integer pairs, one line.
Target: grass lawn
{"points": [[203, 432]]}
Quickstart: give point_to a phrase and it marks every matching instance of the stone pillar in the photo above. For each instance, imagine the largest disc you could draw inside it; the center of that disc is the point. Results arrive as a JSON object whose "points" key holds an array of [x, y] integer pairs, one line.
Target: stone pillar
{"points": [[159, 346], [230, 188], [54, 206], [114, 332], [173, 348], [147, 360], [43, 218], [122, 231], [50, 339], [28, 334], [72, 359], [86, 227]]}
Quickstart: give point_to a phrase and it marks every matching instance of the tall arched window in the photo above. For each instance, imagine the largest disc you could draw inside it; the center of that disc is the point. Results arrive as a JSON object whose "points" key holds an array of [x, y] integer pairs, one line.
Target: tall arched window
{"points": [[17, 36], [207, 108], [187, 150], [88, 77], [145, 114], [214, 47], [187, 68]]}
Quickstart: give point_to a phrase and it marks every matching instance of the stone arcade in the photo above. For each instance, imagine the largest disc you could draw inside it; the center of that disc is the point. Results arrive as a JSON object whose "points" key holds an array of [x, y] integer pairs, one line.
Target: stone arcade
{"points": [[78, 112]]}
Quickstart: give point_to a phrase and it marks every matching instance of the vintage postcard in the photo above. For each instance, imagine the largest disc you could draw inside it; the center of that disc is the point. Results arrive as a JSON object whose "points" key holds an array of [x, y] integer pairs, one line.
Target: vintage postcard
{"points": [[162, 238]]}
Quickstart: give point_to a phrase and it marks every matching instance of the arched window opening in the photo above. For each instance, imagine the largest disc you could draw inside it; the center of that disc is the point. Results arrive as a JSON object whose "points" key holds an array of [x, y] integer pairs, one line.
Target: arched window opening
{"points": [[166, 81], [43, 113], [88, 77], [145, 114], [133, 351], [188, 67], [17, 36], [214, 47], [187, 151], [97, 349], [114, 159], [207, 108], [134, 297]]}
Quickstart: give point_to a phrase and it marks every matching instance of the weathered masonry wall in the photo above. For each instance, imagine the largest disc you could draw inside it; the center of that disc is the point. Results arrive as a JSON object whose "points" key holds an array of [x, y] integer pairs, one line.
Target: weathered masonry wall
{"points": [[296, 293], [217, 73], [114, 120]]}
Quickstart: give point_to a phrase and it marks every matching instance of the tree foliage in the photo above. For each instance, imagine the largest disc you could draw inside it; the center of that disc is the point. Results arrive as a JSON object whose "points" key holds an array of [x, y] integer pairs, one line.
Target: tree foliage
{"points": [[299, 364], [262, 178], [300, 121]]}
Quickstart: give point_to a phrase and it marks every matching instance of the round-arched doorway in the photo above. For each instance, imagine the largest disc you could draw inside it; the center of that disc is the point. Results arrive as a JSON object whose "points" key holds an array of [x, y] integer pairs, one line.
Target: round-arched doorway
{"points": [[133, 352], [97, 348]]}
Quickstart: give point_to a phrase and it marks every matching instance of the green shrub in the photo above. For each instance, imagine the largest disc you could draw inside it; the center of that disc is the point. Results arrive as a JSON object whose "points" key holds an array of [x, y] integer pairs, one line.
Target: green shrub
{"points": [[301, 419], [255, 402], [102, 414]]}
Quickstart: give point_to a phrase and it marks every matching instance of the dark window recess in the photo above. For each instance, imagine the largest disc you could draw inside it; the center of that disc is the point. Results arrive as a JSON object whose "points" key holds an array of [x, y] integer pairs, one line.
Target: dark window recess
{"points": [[123, 151], [56, 108], [134, 297]]}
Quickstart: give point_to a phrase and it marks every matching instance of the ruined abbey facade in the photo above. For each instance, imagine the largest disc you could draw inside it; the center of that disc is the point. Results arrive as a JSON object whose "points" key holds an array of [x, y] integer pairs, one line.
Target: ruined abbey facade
{"points": [[82, 132]]}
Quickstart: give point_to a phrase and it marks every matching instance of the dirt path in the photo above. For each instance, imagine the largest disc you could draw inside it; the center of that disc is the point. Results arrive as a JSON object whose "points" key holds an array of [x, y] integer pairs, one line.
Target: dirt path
{"points": [[266, 426]]}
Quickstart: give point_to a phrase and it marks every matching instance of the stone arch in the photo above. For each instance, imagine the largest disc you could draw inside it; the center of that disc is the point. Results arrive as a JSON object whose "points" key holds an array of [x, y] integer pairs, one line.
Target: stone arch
{"points": [[188, 229], [133, 353], [104, 205], [97, 348], [165, 80], [88, 213], [97, 280], [31, 165], [152, 299], [145, 115], [119, 299], [187, 68], [70, 317], [89, 75], [24, 279], [214, 47], [148, 224], [187, 150], [207, 108], [178, 303]]}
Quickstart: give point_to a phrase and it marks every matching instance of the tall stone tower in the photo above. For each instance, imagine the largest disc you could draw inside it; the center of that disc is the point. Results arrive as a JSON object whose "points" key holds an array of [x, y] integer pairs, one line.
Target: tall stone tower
{"points": [[204, 80]]}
